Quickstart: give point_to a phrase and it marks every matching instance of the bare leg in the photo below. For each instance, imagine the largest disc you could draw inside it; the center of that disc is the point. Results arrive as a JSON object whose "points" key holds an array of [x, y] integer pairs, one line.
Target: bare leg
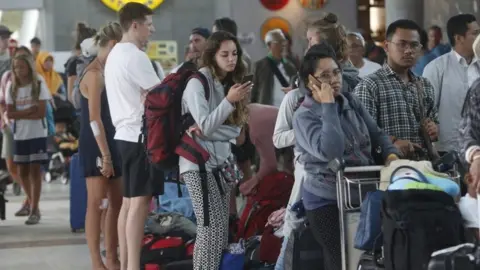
{"points": [[137, 215], [110, 227], [96, 190], [122, 233], [36, 180], [23, 171]]}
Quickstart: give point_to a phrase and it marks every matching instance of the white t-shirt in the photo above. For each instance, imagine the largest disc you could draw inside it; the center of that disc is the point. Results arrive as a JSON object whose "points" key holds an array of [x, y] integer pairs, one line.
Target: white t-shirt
{"points": [[368, 68], [129, 74], [26, 129]]}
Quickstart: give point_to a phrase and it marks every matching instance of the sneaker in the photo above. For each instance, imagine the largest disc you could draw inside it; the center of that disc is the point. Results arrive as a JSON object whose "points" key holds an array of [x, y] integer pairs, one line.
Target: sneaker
{"points": [[33, 219], [24, 211]]}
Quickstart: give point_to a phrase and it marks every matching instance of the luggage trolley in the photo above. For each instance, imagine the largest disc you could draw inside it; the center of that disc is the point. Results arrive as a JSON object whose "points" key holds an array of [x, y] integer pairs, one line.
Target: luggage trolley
{"points": [[349, 210]]}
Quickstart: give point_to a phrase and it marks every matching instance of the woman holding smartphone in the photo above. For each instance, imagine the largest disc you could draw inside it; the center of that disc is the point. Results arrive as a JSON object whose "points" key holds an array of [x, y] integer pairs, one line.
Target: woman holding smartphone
{"points": [[217, 121], [99, 157], [329, 125]]}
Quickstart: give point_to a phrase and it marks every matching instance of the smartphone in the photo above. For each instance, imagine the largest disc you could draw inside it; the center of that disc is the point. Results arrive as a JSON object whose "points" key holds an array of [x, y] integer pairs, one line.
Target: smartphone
{"points": [[247, 78], [99, 163], [315, 81]]}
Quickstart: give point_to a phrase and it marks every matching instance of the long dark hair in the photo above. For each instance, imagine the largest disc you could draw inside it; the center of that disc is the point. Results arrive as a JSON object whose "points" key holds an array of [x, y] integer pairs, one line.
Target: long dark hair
{"points": [[240, 116]]}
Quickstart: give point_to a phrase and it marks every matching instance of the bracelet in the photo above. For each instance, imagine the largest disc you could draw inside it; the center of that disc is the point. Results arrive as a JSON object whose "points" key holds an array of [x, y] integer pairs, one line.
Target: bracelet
{"points": [[477, 156]]}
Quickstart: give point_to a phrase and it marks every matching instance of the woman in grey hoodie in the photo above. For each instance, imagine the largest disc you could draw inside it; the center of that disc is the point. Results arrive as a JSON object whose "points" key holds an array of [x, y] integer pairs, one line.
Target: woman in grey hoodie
{"points": [[331, 124], [218, 120]]}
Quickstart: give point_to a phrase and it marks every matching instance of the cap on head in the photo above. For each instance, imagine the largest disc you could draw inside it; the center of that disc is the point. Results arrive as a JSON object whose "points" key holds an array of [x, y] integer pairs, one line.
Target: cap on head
{"points": [[5, 31], [204, 32]]}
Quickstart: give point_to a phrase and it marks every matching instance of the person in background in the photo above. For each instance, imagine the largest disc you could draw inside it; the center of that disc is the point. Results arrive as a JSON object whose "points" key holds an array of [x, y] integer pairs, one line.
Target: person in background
{"points": [[198, 41], [35, 46], [97, 141], [5, 60], [129, 75], [323, 132], [26, 105], [391, 94], [356, 51], [217, 121], [328, 29], [423, 54], [228, 25], [44, 67], [82, 32], [451, 75], [435, 44], [272, 73], [7, 134], [289, 55], [373, 52]]}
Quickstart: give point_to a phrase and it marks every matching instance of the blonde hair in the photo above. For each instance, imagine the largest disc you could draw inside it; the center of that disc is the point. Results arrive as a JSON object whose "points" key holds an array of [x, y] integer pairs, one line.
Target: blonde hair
{"points": [[112, 31], [28, 59], [332, 32]]}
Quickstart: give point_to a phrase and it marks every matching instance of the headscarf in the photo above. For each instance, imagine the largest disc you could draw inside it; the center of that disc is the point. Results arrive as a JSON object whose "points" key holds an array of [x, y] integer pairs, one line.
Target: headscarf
{"points": [[476, 47], [52, 78]]}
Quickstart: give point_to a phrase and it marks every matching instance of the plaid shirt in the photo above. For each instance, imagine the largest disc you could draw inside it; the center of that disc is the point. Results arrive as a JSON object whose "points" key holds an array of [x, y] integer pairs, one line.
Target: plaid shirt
{"points": [[394, 104], [469, 133]]}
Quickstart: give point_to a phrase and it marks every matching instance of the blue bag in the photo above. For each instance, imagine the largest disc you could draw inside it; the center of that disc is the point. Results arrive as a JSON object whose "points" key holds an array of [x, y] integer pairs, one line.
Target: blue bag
{"points": [[175, 198], [369, 230], [50, 119], [234, 257]]}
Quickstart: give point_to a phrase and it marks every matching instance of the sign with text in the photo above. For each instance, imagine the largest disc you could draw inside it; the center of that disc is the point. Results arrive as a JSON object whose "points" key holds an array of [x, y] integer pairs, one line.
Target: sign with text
{"points": [[116, 5], [165, 52]]}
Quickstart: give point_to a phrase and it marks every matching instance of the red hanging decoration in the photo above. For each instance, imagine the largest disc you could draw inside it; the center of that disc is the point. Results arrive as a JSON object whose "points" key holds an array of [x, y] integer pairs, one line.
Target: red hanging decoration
{"points": [[274, 5]]}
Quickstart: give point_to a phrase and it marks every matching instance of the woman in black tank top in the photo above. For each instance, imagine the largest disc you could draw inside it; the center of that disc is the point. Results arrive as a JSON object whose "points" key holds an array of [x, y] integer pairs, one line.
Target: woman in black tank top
{"points": [[99, 157]]}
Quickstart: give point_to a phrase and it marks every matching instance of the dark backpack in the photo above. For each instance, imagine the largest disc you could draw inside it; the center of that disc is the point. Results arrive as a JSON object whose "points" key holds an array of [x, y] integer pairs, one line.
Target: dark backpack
{"points": [[163, 122], [273, 193], [160, 250], [415, 223]]}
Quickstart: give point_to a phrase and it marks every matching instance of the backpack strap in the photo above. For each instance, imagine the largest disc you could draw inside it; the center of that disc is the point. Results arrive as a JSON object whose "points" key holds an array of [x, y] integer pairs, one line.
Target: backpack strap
{"points": [[201, 77]]}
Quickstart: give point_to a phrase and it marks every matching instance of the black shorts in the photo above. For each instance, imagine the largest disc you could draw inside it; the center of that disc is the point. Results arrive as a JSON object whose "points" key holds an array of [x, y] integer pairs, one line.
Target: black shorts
{"points": [[139, 177]]}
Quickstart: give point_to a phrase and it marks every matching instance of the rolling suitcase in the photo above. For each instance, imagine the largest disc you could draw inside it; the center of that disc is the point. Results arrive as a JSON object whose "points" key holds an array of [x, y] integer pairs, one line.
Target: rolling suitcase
{"points": [[78, 195]]}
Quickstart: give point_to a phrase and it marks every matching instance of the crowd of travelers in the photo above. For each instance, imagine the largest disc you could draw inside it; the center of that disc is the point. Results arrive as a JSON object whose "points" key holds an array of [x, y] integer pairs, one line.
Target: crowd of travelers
{"points": [[242, 121]]}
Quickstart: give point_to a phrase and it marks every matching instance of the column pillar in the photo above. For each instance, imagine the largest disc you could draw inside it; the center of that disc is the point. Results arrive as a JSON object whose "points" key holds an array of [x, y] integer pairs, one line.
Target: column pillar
{"points": [[404, 9]]}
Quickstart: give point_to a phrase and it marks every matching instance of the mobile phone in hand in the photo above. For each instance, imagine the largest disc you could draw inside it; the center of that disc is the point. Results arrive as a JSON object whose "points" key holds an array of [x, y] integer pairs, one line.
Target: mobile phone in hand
{"points": [[247, 78], [99, 163], [315, 81]]}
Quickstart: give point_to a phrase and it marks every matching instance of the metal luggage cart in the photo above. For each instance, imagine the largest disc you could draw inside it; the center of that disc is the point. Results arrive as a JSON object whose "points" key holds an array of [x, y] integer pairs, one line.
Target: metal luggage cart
{"points": [[349, 210]]}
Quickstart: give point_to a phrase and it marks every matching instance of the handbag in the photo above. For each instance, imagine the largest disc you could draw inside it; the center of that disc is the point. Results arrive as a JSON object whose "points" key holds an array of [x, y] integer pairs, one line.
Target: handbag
{"points": [[233, 257], [369, 230]]}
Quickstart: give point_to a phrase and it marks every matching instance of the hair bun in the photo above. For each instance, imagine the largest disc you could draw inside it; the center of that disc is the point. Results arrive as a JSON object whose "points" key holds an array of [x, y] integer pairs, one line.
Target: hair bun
{"points": [[331, 18]]}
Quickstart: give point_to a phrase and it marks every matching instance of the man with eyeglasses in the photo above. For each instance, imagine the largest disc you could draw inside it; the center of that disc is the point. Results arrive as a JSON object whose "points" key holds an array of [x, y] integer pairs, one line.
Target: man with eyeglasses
{"points": [[451, 76], [394, 95], [5, 34]]}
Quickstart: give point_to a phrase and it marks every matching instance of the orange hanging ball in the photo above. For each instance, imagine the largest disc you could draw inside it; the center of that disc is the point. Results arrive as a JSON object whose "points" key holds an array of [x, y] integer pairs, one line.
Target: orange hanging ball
{"points": [[275, 23]]}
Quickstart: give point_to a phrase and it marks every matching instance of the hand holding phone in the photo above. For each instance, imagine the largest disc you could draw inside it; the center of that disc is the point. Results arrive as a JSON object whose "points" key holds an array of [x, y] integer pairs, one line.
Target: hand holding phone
{"points": [[247, 78], [105, 167], [321, 92]]}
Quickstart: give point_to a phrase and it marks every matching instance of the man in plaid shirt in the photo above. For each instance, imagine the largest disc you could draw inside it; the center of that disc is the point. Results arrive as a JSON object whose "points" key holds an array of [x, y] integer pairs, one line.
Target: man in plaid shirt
{"points": [[391, 93]]}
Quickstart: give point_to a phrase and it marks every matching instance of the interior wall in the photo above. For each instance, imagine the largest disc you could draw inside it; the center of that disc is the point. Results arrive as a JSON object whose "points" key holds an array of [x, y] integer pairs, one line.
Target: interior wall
{"points": [[250, 15]]}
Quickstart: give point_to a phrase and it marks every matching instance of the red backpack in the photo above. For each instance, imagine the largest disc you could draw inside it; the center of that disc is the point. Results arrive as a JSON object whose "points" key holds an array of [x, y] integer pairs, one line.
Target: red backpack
{"points": [[163, 122], [273, 193], [161, 250]]}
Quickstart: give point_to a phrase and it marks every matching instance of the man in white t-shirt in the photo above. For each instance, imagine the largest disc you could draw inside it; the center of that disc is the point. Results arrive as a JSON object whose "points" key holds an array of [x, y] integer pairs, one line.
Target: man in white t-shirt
{"points": [[129, 75], [356, 46]]}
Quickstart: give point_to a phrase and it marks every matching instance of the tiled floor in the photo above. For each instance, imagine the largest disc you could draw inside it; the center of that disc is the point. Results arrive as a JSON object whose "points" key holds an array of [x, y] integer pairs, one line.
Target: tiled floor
{"points": [[49, 245]]}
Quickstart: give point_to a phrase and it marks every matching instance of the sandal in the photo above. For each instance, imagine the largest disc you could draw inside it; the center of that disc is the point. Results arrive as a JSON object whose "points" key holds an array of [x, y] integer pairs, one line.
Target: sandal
{"points": [[33, 219], [24, 210]]}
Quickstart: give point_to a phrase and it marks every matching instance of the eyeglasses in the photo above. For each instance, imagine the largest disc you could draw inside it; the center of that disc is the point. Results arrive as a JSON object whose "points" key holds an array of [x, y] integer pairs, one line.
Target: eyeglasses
{"points": [[326, 77], [403, 45]]}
